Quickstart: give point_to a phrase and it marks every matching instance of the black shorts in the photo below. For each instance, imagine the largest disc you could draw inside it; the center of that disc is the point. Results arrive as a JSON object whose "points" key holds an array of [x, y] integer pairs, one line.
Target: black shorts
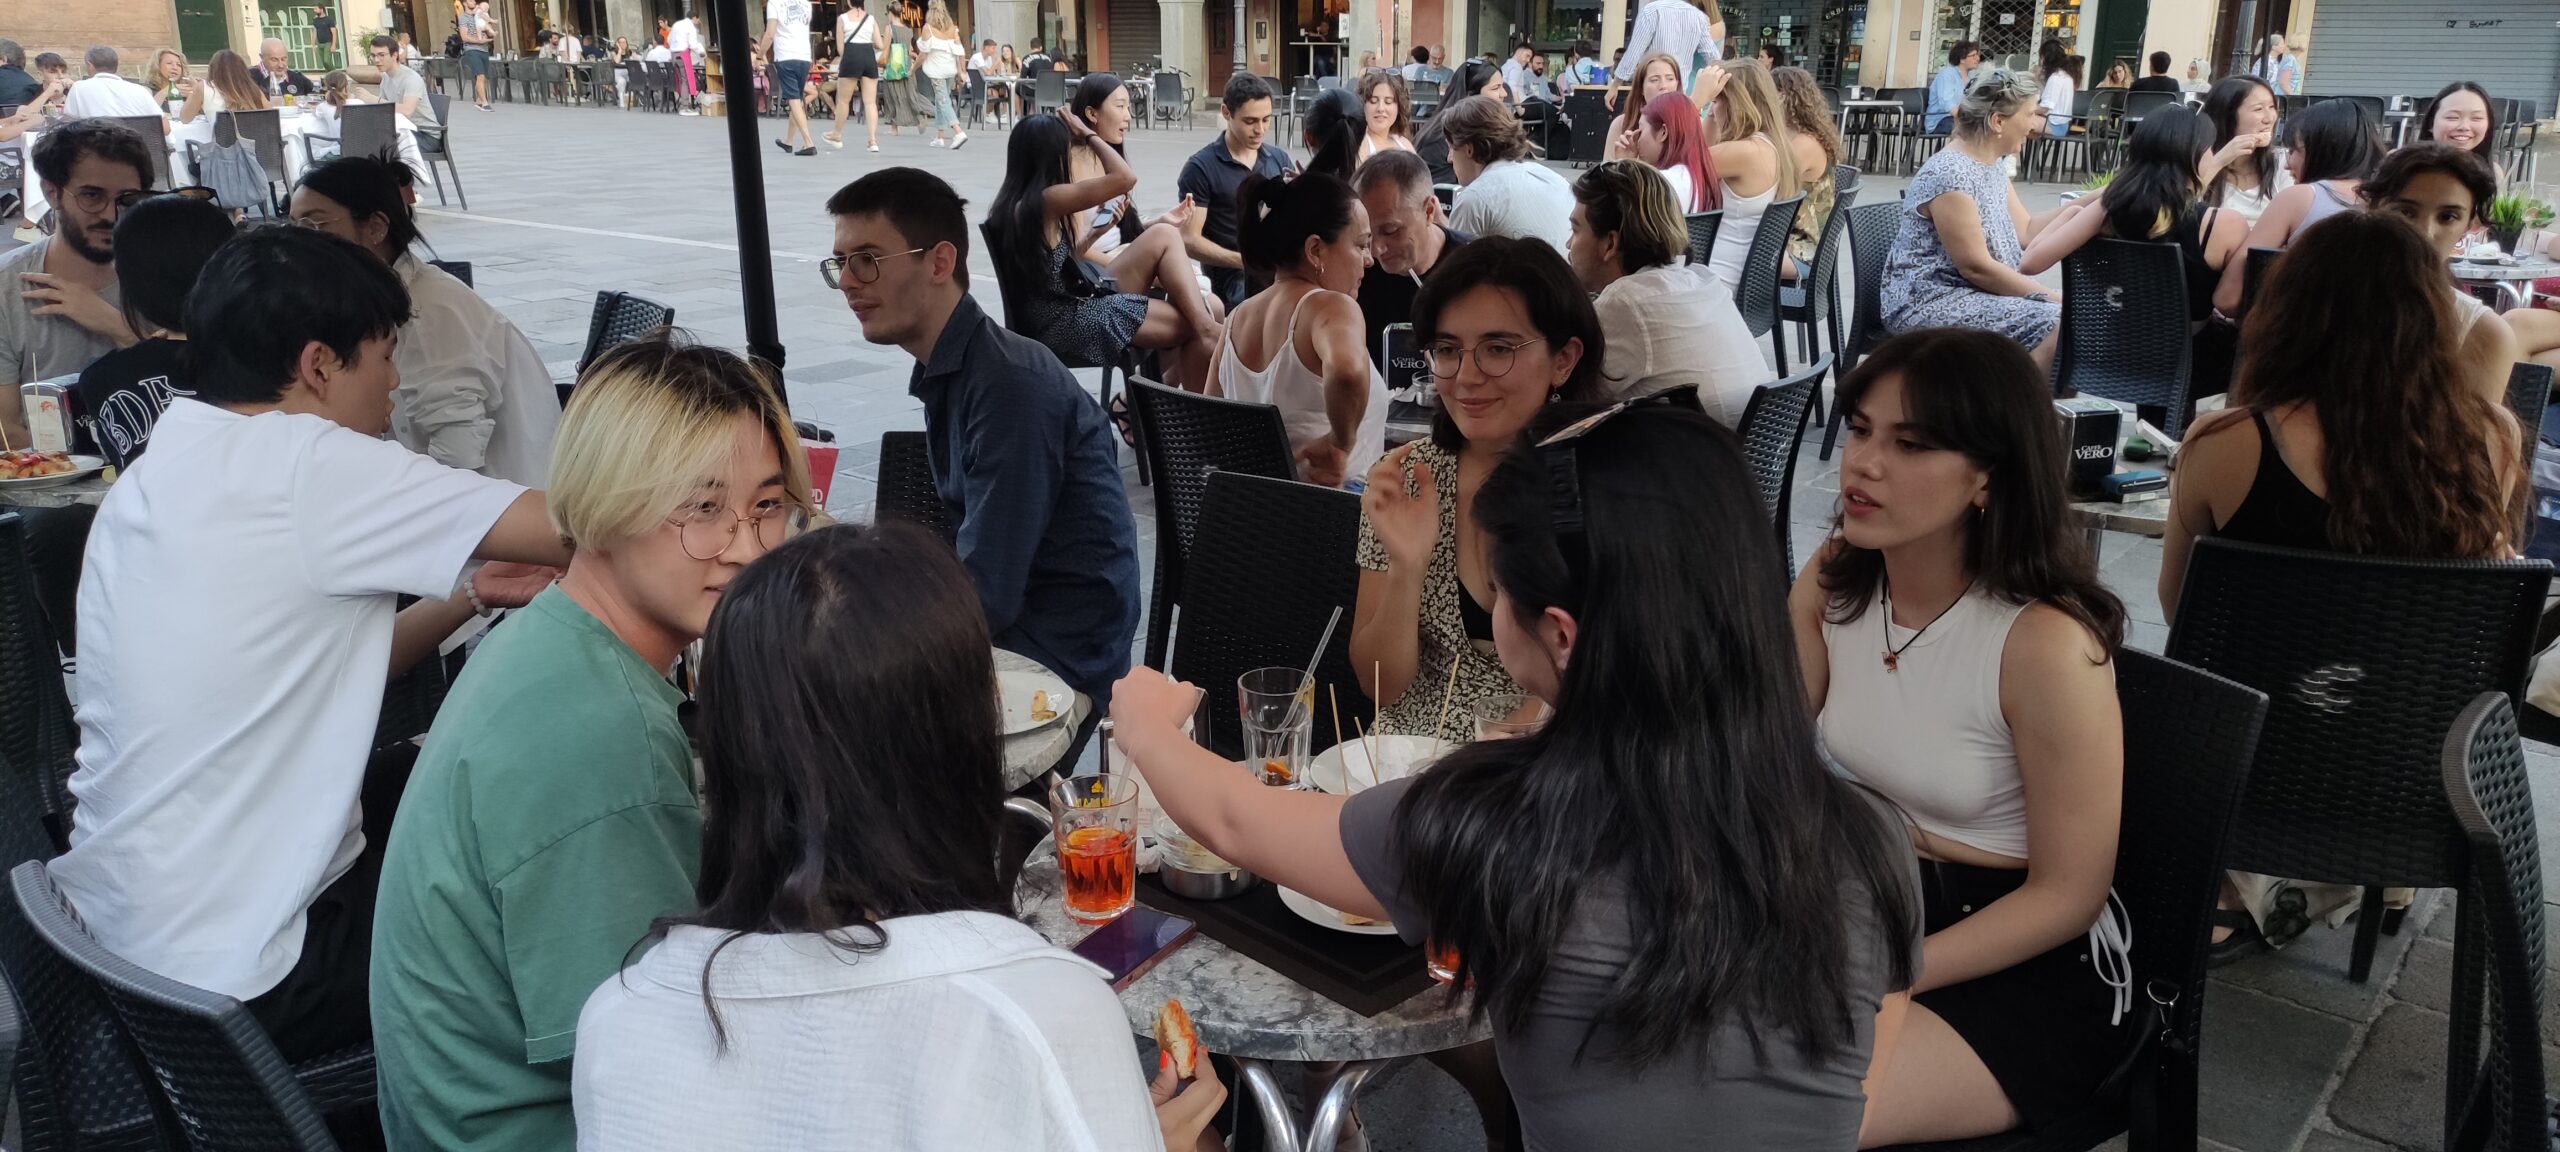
{"points": [[861, 62], [2041, 1026], [790, 79]]}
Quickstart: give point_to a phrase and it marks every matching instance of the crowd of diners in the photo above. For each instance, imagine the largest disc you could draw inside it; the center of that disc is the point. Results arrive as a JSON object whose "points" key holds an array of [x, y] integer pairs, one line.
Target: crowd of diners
{"points": [[1813, 902]]}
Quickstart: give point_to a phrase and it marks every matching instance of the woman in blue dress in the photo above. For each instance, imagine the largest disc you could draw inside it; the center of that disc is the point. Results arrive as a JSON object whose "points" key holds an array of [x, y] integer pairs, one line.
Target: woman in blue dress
{"points": [[1954, 262]]}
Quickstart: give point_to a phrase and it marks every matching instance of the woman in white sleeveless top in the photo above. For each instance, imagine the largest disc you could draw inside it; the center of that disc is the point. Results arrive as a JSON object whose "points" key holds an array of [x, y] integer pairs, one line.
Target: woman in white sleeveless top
{"points": [[1956, 645], [1311, 236], [1754, 155]]}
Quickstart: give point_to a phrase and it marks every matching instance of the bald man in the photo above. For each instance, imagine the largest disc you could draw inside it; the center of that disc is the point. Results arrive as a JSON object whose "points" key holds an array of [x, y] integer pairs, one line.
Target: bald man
{"points": [[273, 75]]}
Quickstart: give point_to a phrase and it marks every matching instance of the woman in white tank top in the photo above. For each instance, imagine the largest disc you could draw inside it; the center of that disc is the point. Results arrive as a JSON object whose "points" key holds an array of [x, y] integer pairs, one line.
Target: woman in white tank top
{"points": [[1753, 155], [1311, 236], [1956, 648]]}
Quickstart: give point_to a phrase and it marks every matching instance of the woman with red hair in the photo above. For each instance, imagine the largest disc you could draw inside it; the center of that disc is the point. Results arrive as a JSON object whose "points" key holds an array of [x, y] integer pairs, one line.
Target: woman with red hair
{"points": [[1671, 138]]}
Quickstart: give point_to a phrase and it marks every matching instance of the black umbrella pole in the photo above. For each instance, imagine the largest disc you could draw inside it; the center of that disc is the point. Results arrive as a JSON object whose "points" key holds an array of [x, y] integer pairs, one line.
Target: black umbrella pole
{"points": [[746, 184]]}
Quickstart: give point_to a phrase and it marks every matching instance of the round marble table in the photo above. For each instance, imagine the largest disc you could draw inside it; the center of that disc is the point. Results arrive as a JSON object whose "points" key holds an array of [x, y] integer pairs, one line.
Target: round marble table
{"points": [[1028, 754], [1246, 1011], [86, 490]]}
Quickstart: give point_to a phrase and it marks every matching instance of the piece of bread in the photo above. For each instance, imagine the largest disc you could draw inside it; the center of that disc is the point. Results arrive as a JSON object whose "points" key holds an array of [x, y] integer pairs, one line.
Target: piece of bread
{"points": [[1177, 1039]]}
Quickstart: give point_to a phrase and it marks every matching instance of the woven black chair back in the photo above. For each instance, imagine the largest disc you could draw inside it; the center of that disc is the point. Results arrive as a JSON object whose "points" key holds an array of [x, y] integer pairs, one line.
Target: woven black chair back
{"points": [[1819, 298], [1272, 560], [1772, 426], [2253, 275], [1756, 293], [1871, 228], [621, 316], [2497, 1102], [906, 490], [1186, 436], [2124, 326], [2366, 662], [369, 130], [221, 1076], [1844, 186], [78, 1079], [1703, 227], [36, 731], [2529, 388]]}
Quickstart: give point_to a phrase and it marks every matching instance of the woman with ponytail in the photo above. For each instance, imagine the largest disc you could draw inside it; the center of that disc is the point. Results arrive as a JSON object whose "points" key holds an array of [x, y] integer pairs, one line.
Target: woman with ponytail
{"points": [[1335, 125], [1309, 235]]}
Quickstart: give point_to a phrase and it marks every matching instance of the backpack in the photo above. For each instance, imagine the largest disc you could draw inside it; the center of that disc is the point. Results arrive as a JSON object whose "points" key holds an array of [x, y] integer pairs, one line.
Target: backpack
{"points": [[453, 44], [896, 69], [233, 172]]}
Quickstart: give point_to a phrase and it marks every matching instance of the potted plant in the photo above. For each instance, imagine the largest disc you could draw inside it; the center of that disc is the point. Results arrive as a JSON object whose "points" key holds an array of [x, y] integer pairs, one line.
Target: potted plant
{"points": [[2510, 214]]}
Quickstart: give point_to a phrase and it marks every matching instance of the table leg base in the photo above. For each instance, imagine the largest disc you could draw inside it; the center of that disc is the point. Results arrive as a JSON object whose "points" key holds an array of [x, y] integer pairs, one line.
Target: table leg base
{"points": [[1334, 1086]]}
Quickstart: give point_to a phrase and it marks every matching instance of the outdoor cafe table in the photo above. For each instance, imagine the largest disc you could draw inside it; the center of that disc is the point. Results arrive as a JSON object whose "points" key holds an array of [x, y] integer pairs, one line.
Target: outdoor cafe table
{"points": [[1028, 754], [1847, 106], [89, 490], [1257, 1016], [2519, 276]]}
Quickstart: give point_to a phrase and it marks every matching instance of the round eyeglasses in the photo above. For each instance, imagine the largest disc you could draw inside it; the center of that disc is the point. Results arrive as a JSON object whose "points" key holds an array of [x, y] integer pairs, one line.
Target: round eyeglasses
{"points": [[1493, 357], [865, 266], [706, 529]]}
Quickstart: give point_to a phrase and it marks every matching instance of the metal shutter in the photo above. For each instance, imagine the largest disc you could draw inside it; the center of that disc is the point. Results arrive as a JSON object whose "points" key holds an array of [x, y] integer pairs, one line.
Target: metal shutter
{"points": [[1137, 32], [2399, 48]]}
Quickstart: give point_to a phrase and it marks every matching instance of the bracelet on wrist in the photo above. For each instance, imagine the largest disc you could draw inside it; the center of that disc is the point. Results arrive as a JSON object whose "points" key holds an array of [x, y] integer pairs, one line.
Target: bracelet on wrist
{"points": [[477, 607]]}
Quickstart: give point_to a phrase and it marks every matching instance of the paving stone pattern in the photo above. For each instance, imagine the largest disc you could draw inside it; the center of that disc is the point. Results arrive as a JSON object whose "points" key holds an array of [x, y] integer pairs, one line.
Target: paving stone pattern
{"points": [[566, 201]]}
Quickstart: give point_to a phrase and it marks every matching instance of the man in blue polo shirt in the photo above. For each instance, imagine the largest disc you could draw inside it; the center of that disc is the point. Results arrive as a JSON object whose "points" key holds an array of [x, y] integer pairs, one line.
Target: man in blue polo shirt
{"points": [[1946, 89], [1020, 451], [1213, 174]]}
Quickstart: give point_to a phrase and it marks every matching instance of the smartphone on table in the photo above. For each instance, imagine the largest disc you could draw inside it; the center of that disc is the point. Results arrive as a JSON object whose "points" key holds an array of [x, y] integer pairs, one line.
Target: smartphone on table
{"points": [[1129, 946]]}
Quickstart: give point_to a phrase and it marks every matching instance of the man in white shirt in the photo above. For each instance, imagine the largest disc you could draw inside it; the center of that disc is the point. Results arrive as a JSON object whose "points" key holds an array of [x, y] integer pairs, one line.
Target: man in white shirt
{"points": [[1501, 191], [238, 617], [684, 42], [1663, 323], [786, 43], [104, 93]]}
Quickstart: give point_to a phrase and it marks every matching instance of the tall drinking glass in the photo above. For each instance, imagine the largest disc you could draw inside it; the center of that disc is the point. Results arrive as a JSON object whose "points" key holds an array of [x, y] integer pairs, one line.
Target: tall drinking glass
{"points": [[1277, 705], [1508, 715], [1095, 819]]}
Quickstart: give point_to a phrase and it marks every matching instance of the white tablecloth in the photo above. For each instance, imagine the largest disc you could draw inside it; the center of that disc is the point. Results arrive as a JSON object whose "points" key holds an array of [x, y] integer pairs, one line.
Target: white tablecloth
{"points": [[296, 124]]}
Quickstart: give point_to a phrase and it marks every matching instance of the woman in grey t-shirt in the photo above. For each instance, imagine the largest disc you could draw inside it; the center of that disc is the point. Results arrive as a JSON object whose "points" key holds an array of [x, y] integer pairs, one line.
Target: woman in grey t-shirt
{"points": [[1679, 921]]}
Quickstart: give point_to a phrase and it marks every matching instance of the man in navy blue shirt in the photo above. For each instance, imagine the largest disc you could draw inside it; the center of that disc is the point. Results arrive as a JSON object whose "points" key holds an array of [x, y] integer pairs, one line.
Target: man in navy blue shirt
{"points": [[1213, 174], [1020, 451]]}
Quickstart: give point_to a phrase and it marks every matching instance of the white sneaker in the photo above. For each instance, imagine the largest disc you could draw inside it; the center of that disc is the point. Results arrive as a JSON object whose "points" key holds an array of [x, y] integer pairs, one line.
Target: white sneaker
{"points": [[937, 142], [688, 112], [875, 147], [959, 139]]}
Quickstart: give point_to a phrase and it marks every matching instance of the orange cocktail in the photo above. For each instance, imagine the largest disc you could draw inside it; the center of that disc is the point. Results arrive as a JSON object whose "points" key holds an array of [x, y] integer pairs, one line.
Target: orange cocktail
{"points": [[1095, 819]]}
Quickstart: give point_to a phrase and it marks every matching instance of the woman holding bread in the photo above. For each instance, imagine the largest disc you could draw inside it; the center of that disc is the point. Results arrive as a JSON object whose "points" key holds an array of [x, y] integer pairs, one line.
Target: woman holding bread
{"points": [[862, 976]]}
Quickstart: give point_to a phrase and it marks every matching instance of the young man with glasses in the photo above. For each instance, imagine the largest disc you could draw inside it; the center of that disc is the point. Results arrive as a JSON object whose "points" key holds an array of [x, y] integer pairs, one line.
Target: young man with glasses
{"points": [[59, 306], [551, 819], [401, 86], [1019, 449], [238, 618]]}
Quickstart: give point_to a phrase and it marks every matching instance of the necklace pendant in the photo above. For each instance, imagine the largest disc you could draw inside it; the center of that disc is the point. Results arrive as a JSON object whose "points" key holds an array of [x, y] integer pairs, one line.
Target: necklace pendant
{"points": [[1892, 661]]}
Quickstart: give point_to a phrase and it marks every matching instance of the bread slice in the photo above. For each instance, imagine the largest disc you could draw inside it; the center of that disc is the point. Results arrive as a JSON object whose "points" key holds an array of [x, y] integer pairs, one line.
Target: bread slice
{"points": [[1177, 1039]]}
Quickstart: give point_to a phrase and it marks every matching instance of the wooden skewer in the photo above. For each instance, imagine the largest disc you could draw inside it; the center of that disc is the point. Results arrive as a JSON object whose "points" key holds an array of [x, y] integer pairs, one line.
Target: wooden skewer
{"points": [[1447, 690], [1335, 698]]}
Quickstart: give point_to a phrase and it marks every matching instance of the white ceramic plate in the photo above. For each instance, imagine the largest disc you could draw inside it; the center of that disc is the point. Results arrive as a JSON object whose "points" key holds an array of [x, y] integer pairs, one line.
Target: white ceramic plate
{"points": [[82, 467], [1317, 914], [1014, 699], [1404, 755]]}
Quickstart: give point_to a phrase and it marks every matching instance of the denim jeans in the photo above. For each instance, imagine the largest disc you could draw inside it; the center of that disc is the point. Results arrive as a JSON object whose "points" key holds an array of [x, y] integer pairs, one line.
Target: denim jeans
{"points": [[943, 116]]}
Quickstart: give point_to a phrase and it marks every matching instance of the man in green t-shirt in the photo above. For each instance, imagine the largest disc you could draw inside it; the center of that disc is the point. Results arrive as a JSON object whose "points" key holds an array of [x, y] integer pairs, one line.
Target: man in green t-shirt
{"points": [[552, 815]]}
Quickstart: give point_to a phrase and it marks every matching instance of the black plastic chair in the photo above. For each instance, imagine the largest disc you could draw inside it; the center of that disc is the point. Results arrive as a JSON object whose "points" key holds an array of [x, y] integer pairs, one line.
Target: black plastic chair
{"points": [[1844, 185], [1048, 92], [1426, 99], [2254, 273], [1755, 294], [436, 144], [222, 1078], [1171, 100], [363, 130], [618, 316], [2529, 388], [1703, 227], [1773, 426], [2496, 1103], [1272, 560], [36, 730], [1871, 231], [155, 140], [1126, 364], [2188, 737], [2124, 326], [2368, 660], [1811, 302], [906, 490], [1186, 436]]}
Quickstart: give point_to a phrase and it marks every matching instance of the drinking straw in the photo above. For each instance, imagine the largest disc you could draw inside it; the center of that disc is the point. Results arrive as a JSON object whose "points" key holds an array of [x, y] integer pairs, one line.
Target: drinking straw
{"points": [[1446, 690], [1308, 678]]}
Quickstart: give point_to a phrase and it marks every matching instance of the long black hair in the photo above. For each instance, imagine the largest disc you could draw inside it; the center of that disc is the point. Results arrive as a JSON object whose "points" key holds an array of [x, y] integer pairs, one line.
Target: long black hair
{"points": [[2337, 139], [1088, 96], [1276, 217], [1472, 76], [851, 762], [2222, 106], [1035, 160], [161, 245], [367, 186], [1548, 291], [1335, 124], [1680, 764], [2487, 148], [1977, 393], [2156, 187]]}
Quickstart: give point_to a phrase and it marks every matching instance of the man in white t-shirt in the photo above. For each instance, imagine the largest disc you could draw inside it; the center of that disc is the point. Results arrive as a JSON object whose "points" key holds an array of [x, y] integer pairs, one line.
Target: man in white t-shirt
{"points": [[239, 618], [684, 42], [104, 93], [786, 43], [1501, 191]]}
